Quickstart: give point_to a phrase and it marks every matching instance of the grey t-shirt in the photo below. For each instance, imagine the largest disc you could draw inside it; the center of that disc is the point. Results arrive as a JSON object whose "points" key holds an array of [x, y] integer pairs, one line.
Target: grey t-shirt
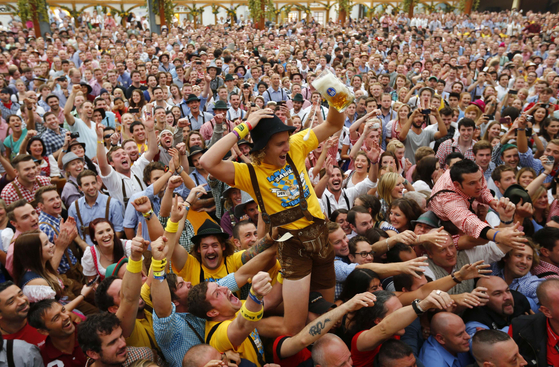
{"points": [[414, 141]]}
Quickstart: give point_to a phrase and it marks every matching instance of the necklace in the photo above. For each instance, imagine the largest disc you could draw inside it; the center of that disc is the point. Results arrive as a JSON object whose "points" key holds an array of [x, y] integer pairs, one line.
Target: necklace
{"points": [[103, 255]]}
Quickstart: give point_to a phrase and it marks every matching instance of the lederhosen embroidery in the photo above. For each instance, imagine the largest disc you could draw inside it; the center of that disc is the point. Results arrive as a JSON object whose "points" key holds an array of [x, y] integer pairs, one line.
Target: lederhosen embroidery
{"points": [[286, 216], [85, 229]]}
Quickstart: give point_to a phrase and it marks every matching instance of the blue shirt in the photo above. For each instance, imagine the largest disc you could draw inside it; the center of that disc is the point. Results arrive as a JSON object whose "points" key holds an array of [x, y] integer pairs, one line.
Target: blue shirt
{"points": [[342, 270], [527, 285], [125, 80], [50, 226], [89, 213], [433, 354], [173, 333], [132, 217], [527, 160], [274, 95]]}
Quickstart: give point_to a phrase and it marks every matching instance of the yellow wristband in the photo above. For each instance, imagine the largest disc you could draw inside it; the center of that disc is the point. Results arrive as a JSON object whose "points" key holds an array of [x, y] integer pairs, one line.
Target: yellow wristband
{"points": [[242, 130], [172, 227], [158, 265], [250, 315], [100, 142], [134, 266]]}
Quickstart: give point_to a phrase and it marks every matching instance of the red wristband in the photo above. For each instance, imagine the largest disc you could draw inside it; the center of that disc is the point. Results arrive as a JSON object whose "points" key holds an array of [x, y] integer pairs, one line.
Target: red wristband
{"points": [[249, 125]]}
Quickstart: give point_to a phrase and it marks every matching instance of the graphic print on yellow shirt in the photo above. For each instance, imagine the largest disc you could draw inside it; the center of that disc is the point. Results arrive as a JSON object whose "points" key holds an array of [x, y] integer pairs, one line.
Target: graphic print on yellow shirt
{"points": [[279, 187]]}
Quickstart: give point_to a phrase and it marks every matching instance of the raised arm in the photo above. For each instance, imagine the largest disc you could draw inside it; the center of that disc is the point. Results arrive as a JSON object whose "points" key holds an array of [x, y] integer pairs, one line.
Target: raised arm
{"points": [[212, 161], [241, 328], [101, 155], [160, 292], [132, 284], [143, 206], [152, 139], [322, 325], [23, 147], [398, 320], [70, 104], [334, 122], [442, 127]]}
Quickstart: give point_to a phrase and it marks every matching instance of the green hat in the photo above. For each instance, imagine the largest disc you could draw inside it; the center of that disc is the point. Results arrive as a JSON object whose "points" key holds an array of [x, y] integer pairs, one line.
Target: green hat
{"points": [[114, 268], [220, 105], [298, 98], [229, 78]]}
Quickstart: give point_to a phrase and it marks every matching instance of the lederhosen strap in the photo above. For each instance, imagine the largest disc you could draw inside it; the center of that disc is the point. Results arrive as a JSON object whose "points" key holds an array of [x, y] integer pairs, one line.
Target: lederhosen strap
{"points": [[286, 216], [259, 356], [328, 203], [85, 229], [471, 201], [202, 275], [18, 191], [546, 274], [125, 199], [10, 353]]}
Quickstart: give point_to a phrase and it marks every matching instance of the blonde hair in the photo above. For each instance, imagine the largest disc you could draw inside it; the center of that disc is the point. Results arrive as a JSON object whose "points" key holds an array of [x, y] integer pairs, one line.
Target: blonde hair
{"points": [[386, 184], [393, 145]]}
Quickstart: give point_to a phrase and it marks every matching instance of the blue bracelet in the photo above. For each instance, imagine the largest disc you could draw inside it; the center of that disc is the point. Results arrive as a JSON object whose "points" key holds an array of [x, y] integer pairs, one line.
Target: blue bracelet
{"points": [[254, 298], [495, 236]]}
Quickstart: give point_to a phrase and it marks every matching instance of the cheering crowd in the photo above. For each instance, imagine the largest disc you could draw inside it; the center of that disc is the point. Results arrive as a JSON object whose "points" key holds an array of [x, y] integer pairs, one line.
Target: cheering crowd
{"points": [[191, 199]]}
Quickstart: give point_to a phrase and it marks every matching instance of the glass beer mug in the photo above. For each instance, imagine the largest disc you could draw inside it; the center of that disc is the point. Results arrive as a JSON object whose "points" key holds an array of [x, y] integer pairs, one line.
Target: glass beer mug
{"points": [[333, 90]]}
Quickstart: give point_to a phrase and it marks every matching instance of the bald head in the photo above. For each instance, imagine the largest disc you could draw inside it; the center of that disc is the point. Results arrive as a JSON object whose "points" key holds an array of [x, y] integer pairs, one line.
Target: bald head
{"points": [[547, 292], [449, 331], [331, 351], [500, 297], [199, 355]]}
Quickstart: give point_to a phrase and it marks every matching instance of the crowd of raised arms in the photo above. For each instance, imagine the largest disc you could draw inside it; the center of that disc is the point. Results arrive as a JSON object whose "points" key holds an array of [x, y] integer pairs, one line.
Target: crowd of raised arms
{"points": [[190, 199]]}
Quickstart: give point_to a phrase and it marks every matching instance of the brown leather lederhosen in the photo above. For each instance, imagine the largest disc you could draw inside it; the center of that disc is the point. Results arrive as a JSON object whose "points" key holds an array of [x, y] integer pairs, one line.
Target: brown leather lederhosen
{"points": [[309, 243]]}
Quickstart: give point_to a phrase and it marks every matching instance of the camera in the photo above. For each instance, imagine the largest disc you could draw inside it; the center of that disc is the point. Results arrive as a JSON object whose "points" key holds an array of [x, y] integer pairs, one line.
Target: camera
{"points": [[529, 118], [545, 105], [490, 117], [426, 111], [74, 135]]}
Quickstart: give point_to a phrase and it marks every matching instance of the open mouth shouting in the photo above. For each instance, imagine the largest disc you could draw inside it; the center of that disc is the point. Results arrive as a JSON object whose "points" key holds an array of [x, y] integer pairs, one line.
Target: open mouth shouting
{"points": [[232, 298]]}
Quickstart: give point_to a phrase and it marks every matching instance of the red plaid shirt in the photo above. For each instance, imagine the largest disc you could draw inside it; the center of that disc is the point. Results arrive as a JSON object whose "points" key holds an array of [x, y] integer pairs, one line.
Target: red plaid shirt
{"points": [[545, 267], [455, 206], [450, 146], [9, 194]]}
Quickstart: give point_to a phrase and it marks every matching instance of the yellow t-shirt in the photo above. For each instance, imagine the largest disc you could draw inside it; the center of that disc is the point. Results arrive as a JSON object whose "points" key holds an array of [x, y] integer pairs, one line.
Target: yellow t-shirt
{"points": [[143, 334], [278, 186], [247, 350], [192, 269]]}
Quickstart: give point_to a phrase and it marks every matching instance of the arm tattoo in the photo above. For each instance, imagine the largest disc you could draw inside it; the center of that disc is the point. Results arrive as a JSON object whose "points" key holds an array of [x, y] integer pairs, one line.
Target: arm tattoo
{"points": [[261, 246], [318, 327]]}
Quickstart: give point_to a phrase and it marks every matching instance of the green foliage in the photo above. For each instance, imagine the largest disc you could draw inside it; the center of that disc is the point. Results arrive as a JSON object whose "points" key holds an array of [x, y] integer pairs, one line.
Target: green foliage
{"points": [[168, 9], [26, 6], [462, 5], [345, 5], [407, 3]]}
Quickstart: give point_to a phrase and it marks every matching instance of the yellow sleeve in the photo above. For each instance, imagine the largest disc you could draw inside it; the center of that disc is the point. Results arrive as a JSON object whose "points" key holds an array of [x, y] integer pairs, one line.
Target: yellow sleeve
{"points": [[145, 294], [242, 178], [220, 340], [190, 271], [234, 262], [301, 148]]}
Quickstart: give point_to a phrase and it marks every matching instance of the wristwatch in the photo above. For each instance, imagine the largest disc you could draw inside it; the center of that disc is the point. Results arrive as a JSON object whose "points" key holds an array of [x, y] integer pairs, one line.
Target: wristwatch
{"points": [[416, 308]]}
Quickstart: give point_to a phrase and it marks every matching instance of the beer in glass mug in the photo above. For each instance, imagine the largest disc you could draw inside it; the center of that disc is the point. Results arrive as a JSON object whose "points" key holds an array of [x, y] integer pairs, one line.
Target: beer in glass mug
{"points": [[333, 90]]}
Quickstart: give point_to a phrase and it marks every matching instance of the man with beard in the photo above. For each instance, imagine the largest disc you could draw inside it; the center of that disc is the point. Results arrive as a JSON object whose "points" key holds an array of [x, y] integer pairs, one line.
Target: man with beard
{"points": [[83, 125], [53, 320], [119, 176], [335, 196], [121, 297], [28, 180], [101, 339], [59, 232], [14, 307], [297, 109], [54, 103], [94, 205], [504, 304], [413, 135], [54, 135]]}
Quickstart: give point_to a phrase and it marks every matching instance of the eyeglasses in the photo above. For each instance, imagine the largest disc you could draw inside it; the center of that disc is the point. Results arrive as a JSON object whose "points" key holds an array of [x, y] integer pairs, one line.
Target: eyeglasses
{"points": [[108, 136], [365, 254]]}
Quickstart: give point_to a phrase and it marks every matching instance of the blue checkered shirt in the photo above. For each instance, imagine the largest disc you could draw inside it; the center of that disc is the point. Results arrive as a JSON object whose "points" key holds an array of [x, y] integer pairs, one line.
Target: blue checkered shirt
{"points": [[173, 333], [342, 270], [50, 226], [53, 141], [527, 160], [527, 285]]}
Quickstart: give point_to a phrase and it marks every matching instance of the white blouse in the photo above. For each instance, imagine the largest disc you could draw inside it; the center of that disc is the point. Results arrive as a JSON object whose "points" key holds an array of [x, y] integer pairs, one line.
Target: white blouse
{"points": [[89, 268]]}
